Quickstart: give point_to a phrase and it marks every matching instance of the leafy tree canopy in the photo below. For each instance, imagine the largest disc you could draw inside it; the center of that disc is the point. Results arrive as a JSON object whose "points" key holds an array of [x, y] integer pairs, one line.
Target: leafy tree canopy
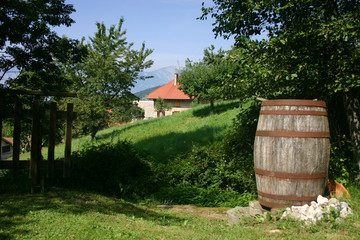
{"points": [[104, 79], [28, 43], [206, 79], [312, 51]]}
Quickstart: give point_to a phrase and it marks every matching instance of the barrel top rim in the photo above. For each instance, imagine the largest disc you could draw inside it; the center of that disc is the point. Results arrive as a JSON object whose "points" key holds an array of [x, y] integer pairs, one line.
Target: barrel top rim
{"points": [[294, 102]]}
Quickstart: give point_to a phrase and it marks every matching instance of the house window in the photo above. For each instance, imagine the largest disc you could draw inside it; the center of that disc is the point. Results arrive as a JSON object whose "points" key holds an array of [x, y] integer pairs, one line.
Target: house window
{"points": [[6, 149], [177, 104]]}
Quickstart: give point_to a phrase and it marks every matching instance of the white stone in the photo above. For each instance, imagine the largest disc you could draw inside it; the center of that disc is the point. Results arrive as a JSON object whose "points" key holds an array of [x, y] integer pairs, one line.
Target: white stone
{"points": [[339, 220], [320, 215], [344, 213], [295, 209], [322, 201], [333, 201], [311, 212], [314, 204], [344, 205]]}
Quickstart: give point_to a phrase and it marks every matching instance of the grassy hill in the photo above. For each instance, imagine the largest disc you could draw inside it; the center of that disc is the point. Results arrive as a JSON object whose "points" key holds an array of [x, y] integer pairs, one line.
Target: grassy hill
{"points": [[166, 137]]}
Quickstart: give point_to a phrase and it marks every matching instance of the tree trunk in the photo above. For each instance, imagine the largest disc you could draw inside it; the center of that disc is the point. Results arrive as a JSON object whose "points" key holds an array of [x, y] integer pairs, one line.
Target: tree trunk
{"points": [[93, 134], [212, 106], [352, 106]]}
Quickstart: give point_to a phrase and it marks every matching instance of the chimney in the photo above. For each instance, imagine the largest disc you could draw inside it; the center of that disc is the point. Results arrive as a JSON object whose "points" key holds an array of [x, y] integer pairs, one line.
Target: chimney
{"points": [[176, 79]]}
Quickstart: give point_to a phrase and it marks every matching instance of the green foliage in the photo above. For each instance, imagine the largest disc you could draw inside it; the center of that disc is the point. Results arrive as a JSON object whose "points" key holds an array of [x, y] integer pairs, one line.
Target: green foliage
{"points": [[205, 79], [209, 168], [30, 45], [118, 169], [206, 197], [342, 168], [312, 51], [161, 105], [104, 79]]}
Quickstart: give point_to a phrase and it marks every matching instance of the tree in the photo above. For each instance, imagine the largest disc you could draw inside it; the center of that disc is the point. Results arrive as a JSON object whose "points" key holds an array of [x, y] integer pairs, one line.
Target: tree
{"points": [[28, 43], [104, 78], [312, 50], [205, 79], [162, 106]]}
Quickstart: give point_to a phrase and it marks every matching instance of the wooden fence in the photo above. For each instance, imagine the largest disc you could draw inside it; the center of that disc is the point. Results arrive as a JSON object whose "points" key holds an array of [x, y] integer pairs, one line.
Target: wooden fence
{"points": [[36, 163]]}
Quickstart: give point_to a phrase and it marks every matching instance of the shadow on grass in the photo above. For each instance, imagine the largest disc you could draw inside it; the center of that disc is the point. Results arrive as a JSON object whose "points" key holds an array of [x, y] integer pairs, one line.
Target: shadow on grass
{"points": [[15, 209], [165, 147], [218, 108]]}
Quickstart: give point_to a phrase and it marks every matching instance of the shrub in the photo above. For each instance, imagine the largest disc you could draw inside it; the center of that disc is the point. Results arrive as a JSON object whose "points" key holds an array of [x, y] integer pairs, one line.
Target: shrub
{"points": [[209, 197], [117, 169]]}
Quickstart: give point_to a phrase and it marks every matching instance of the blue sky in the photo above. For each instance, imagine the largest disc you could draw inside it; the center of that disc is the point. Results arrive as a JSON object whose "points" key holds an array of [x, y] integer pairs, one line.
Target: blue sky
{"points": [[167, 26]]}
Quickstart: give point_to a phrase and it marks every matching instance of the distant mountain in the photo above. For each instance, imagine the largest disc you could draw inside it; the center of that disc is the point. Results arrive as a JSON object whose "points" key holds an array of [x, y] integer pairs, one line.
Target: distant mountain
{"points": [[161, 76], [144, 93]]}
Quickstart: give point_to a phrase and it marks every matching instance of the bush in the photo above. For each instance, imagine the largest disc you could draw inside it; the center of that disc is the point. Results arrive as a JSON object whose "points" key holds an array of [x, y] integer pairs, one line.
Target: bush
{"points": [[342, 167], [208, 167], [117, 169], [210, 197]]}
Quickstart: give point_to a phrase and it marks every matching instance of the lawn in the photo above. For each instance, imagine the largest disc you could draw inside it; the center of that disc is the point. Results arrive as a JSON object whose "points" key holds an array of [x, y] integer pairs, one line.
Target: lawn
{"points": [[65, 214]]}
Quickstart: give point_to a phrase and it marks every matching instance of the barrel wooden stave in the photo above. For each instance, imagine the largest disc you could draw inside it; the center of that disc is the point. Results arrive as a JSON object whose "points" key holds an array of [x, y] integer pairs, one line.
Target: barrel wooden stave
{"points": [[292, 155]]}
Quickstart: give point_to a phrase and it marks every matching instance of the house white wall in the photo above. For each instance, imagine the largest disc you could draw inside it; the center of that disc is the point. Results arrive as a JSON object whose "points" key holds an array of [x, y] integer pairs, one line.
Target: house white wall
{"points": [[6, 150], [148, 107]]}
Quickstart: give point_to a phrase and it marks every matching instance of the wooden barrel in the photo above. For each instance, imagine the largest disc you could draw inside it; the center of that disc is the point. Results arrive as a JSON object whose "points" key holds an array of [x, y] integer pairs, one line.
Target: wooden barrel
{"points": [[291, 152]]}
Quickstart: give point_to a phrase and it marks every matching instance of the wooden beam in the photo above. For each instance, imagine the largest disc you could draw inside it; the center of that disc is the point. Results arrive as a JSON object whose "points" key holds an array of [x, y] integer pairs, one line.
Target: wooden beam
{"points": [[16, 141], [52, 135], [67, 161], [35, 142], [38, 93], [1, 119]]}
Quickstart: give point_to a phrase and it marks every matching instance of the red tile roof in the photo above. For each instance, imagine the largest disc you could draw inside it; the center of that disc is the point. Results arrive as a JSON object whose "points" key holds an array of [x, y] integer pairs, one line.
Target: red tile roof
{"points": [[9, 140], [169, 91]]}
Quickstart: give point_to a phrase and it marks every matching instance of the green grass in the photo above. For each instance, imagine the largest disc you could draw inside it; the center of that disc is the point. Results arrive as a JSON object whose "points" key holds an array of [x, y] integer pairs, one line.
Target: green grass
{"points": [[64, 214], [74, 214], [165, 137]]}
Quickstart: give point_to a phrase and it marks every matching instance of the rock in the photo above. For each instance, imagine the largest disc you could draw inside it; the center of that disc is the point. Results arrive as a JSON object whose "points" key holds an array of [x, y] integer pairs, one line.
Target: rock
{"points": [[344, 205], [322, 201], [235, 215], [320, 215], [344, 213], [255, 209], [275, 231], [314, 204], [163, 206], [333, 201], [339, 220]]}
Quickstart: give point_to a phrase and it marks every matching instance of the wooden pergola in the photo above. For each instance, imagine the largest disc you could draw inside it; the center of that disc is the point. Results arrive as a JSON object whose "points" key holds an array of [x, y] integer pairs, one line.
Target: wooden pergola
{"points": [[36, 163]]}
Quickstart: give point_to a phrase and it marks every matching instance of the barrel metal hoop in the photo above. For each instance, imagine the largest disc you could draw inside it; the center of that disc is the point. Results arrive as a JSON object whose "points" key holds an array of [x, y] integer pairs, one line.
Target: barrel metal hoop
{"points": [[288, 175], [285, 112], [293, 102], [264, 133], [287, 197]]}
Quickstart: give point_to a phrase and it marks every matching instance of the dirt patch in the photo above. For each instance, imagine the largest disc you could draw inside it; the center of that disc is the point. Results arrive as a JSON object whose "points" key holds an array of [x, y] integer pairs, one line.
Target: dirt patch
{"points": [[212, 213]]}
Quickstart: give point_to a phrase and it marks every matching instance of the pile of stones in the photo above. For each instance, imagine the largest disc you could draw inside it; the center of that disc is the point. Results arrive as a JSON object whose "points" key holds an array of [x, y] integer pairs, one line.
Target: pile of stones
{"points": [[322, 209]]}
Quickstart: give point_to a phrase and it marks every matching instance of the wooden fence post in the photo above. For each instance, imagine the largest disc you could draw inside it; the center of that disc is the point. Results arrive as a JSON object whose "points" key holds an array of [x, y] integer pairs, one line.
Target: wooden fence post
{"points": [[35, 141], [1, 119], [51, 149], [16, 140], [69, 118]]}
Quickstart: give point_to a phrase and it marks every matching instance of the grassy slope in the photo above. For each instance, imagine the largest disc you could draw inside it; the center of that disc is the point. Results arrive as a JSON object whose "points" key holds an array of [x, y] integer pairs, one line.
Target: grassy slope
{"points": [[167, 136], [64, 214]]}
